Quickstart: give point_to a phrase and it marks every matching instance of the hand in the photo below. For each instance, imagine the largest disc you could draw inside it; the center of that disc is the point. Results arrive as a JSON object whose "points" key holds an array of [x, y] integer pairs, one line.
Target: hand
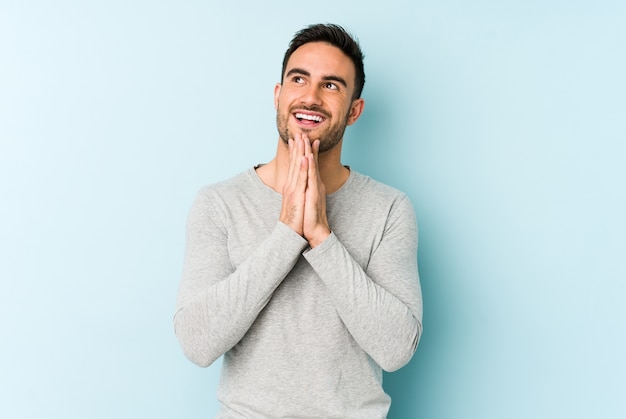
{"points": [[315, 225], [292, 210], [304, 197]]}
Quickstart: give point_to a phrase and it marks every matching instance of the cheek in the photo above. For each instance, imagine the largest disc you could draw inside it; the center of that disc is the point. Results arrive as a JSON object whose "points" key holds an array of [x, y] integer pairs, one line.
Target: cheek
{"points": [[348, 114], [282, 101]]}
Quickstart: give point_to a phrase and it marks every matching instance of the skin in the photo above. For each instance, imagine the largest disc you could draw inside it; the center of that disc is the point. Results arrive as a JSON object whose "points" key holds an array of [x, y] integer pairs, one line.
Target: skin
{"points": [[319, 81]]}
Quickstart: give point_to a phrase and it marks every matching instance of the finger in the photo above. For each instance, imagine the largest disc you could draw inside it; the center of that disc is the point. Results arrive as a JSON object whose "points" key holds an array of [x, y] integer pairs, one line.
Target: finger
{"points": [[301, 141], [315, 147], [312, 173], [307, 144], [303, 174], [292, 160], [295, 159], [292, 168], [315, 151]]}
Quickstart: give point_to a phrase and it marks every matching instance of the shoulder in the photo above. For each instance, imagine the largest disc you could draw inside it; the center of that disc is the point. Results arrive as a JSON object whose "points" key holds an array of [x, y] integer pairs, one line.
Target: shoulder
{"points": [[243, 180], [217, 197], [365, 210], [370, 201], [365, 188], [242, 194]]}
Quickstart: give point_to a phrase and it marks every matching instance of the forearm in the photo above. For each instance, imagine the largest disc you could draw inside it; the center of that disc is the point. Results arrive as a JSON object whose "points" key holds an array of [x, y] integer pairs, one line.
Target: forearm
{"points": [[217, 304], [383, 311]]}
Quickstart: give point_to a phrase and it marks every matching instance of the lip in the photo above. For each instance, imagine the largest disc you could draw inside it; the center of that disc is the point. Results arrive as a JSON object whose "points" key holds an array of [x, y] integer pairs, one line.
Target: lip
{"points": [[306, 123]]}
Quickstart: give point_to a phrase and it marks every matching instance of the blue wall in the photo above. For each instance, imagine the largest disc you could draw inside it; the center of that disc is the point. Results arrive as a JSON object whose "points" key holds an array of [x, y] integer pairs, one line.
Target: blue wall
{"points": [[503, 120]]}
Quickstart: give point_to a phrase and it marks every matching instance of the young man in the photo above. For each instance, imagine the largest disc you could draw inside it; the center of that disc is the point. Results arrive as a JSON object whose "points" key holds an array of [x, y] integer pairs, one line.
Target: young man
{"points": [[302, 272]]}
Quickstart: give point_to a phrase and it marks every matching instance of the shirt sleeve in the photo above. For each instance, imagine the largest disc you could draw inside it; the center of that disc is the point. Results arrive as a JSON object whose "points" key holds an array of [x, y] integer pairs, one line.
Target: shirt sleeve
{"points": [[217, 303], [382, 305]]}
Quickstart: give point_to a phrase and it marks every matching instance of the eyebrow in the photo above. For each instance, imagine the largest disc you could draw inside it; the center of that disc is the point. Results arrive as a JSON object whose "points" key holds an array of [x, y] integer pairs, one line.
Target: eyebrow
{"points": [[325, 78]]}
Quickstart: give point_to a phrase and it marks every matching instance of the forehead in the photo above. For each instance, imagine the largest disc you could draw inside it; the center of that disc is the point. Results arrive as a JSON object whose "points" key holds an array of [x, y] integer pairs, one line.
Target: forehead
{"points": [[322, 59]]}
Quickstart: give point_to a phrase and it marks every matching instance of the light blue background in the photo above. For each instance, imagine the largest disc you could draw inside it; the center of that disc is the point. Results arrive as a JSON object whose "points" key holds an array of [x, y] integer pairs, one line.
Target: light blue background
{"points": [[505, 122]]}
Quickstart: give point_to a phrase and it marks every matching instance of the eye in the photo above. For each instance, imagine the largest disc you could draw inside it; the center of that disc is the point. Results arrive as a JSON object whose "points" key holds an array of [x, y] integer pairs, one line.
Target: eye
{"points": [[331, 86], [298, 79]]}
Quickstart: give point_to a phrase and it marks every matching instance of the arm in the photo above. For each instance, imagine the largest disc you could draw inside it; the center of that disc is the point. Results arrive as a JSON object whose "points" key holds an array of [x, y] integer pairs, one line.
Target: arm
{"points": [[381, 307], [216, 303]]}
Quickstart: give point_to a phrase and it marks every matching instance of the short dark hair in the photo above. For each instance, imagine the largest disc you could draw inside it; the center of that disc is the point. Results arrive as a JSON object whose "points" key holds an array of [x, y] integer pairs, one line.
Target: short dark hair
{"points": [[336, 36]]}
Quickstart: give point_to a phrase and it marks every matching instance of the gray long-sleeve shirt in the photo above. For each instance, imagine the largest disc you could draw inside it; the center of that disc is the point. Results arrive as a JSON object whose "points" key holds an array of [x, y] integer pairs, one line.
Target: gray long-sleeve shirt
{"points": [[304, 332]]}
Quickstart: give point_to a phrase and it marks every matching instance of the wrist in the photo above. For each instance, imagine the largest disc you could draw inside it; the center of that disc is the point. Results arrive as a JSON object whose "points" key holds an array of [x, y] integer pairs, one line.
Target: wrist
{"points": [[319, 237]]}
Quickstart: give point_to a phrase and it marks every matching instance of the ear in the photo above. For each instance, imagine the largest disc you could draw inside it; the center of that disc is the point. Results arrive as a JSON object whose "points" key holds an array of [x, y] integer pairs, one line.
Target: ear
{"points": [[356, 109], [276, 94]]}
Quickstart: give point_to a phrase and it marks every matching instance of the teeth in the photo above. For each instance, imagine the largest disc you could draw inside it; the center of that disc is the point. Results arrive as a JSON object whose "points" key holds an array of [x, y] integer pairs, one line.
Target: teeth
{"points": [[315, 118]]}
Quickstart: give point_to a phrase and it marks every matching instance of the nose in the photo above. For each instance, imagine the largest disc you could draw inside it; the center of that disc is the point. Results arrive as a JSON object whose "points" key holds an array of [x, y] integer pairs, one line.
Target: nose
{"points": [[311, 95]]}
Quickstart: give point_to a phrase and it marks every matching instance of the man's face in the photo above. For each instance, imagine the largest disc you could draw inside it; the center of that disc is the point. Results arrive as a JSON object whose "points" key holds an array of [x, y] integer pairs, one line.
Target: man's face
{"points": [[315, 96]]}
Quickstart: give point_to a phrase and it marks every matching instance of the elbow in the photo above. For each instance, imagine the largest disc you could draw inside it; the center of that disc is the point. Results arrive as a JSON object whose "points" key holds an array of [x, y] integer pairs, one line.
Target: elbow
{"points": [[202, 362], [199, 358], [193, 346], [194, 353], [394, 363], [394, 360]]}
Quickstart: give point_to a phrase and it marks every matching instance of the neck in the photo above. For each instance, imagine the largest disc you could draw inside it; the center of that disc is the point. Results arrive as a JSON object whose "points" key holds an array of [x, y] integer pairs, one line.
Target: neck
{"points": [[332, 172]]}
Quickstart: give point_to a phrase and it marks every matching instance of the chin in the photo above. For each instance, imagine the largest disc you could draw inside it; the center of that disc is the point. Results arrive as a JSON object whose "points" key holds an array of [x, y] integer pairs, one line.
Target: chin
{"points": [[309, 133]]}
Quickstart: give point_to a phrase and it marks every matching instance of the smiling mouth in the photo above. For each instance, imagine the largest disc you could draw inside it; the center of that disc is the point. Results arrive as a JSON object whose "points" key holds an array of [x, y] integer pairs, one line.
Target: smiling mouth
{"points": [[309, 119]]}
